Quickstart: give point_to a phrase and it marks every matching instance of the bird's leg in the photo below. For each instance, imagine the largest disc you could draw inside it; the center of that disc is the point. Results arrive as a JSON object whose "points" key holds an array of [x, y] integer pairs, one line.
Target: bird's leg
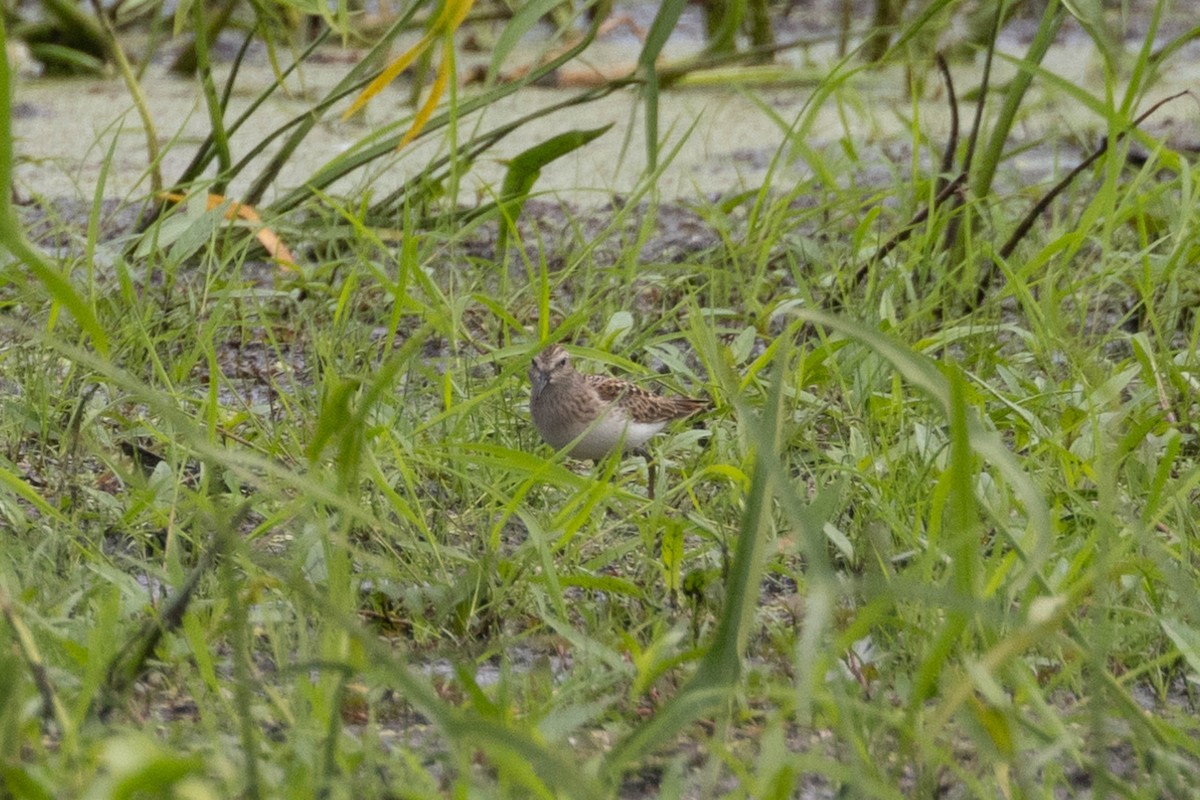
{"points": [[651, 470]]}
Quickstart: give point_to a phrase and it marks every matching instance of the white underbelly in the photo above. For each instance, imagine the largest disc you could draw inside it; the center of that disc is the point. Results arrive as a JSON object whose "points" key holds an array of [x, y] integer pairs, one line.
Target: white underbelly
{"points": [[600, 438]]}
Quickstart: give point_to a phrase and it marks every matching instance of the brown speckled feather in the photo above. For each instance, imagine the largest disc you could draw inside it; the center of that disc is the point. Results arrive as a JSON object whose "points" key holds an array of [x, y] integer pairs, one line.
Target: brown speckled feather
{"points": [[642, 405]]}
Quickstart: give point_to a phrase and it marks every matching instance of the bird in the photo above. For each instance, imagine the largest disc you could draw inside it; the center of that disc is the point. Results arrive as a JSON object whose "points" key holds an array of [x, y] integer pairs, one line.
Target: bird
{"points": [[591, 415]]}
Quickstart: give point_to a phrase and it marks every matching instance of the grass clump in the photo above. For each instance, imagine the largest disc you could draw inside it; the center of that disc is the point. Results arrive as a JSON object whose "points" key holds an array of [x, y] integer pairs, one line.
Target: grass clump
{"points": [[283, 532]]}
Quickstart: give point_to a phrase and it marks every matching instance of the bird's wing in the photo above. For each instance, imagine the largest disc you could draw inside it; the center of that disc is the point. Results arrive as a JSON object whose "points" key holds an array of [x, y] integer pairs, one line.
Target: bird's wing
{"points": [[613, 389], [641, 404]]}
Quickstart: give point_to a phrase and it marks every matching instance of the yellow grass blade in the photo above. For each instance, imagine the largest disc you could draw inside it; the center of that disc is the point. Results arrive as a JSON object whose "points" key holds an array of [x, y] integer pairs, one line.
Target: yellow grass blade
{"points": [[435, 94], [389, 74], [444, 25], [453, 14]]}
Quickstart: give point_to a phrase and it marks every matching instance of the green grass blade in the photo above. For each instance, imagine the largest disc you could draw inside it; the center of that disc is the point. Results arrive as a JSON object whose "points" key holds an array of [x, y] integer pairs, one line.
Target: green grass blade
{"points": [[656, 39], [989, 158], [526, 167], [12, 238], [1034, 546], [526, 18], [718, 673]]}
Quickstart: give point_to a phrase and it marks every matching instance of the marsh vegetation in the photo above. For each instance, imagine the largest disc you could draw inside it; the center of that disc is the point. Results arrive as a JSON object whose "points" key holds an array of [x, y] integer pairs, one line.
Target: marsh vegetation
{"points": [[276, 522]]}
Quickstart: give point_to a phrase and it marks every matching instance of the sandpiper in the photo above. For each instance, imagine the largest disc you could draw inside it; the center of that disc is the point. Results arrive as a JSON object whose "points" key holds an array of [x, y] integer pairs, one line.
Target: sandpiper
{"points": [[593, 414]]}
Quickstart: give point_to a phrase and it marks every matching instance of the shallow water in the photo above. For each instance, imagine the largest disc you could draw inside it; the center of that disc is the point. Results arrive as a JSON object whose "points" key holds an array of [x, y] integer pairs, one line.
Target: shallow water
{"points": [[65, 128]]}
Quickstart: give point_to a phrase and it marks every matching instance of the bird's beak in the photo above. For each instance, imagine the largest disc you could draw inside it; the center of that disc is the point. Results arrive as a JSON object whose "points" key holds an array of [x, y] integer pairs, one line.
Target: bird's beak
{"points": [[539, 380]]}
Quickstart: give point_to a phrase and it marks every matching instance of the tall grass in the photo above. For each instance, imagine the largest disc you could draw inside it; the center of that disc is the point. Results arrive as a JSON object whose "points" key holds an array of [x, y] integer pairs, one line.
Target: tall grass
{"points": [[274, 533]]}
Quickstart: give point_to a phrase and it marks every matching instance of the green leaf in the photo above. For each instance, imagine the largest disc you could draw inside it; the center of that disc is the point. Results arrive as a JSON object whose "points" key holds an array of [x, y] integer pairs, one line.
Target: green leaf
{"points": [[526, 167], [672, 555], [660, 31], [21, 489], [604, 583], [20, 781], [921, 372], [141, 766], [1090, 15], [1186, 640], [336, 414], [67, 59], [618, 325], [522, 22]]}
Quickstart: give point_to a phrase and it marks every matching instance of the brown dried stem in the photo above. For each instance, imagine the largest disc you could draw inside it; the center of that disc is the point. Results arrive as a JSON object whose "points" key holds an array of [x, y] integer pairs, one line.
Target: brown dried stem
{"points": [[1026, 223]]}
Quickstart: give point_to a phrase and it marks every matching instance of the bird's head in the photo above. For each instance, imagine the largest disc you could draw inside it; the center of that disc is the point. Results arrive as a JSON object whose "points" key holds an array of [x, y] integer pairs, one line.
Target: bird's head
{"points": [[552, 365]]}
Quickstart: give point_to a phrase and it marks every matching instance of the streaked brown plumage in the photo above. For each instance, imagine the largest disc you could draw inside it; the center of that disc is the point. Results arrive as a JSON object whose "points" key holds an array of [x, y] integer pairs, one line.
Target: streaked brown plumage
{"points": [[596, 412]]}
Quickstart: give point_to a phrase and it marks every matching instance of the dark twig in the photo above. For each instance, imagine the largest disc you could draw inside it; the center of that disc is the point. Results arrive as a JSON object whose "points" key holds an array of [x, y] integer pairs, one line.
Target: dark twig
{"points": [[945, 187], [907, 231], [52, 706], [952, 141], [130, 662], [1026, 223], [956, 198]]}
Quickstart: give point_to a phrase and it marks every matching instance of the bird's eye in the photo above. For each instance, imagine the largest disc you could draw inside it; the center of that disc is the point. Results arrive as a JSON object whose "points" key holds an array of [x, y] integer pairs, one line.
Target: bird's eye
{"points": [[562, 362]]}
